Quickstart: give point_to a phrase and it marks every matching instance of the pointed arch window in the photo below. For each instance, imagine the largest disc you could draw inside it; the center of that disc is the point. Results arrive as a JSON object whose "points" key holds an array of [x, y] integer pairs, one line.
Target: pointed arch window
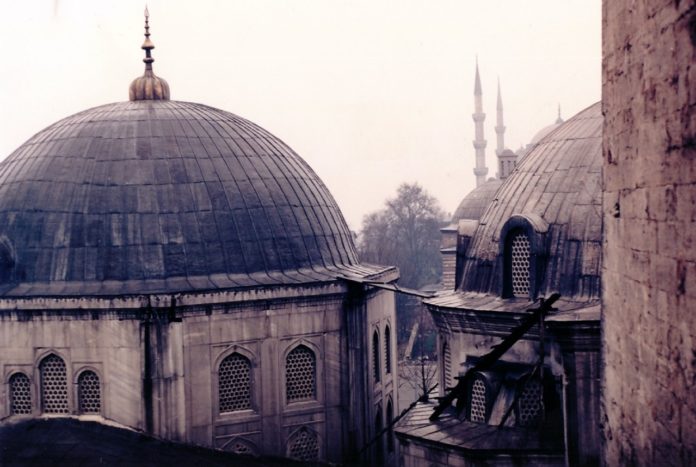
{"points": [[518, 264], [390, 432], [54, 385], [301, 374], [376, 370], [20, 394], [478, 400], [303, 446], [530, 405], [446, 365], [89, 392], [234, 383], [387, 350], [379, 446]]}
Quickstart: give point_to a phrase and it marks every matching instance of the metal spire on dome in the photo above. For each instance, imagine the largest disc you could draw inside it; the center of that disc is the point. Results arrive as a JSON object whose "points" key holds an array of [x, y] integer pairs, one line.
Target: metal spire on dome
{"points": [[559, 119], [149, 86]]}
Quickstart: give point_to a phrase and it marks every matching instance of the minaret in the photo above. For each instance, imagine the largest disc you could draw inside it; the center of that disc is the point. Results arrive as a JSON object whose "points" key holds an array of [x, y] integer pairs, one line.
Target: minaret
{"points": [[479, 143], [499, 126]]}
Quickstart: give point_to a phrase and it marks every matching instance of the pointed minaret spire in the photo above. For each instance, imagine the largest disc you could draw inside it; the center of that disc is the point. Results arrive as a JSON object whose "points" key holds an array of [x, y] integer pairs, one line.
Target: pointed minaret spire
{"points": [[499, 124], [479, 143], [149, 86], [559, 119]]}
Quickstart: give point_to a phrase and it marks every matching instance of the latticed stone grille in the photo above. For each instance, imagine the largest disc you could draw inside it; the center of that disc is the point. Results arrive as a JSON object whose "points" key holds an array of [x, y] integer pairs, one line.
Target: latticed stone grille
{"points": [[304, 446], [54, 385], [241, 447], [529, 404], [479, 399], [376, 370], [89, 392], [20, 394], [234, 383], [301, 374], [447, 364], [387, 350], [520, 253]]}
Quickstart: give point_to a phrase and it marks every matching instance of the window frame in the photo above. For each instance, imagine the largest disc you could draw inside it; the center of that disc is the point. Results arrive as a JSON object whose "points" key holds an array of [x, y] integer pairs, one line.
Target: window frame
{"points": [[78, 402], [318, 376], [254, 382], [536, 230]]}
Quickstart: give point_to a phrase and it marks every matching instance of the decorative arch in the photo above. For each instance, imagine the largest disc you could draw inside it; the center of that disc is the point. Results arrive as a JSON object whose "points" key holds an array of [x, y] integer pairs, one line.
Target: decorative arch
{"points": [[20, 394], [376, 347], [522, 250], [389, 419], [300, 373], [240, 446], [54, 384], [303, 444]]}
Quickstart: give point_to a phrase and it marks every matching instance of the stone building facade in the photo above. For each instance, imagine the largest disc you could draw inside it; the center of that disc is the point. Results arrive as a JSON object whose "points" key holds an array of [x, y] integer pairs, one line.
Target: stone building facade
{"points": [[649, 275], [537, 403], [177, 269]]}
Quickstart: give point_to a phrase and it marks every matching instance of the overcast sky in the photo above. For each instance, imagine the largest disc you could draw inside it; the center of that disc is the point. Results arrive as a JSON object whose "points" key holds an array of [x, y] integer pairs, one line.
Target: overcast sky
{"points": [[369, 93]]}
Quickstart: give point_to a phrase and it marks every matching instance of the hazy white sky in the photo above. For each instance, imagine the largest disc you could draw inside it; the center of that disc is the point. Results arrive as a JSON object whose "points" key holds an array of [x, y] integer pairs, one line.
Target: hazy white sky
{"points": [[369, 93]]}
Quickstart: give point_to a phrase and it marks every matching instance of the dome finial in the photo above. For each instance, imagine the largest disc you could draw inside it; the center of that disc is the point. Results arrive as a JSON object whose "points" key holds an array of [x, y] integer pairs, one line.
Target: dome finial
{"points": [[148, 86], [559, 119]]}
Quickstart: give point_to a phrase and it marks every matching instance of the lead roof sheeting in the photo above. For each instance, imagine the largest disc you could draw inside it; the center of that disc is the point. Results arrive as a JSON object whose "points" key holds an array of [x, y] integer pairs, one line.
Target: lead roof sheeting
{"points": [[130, 180]]}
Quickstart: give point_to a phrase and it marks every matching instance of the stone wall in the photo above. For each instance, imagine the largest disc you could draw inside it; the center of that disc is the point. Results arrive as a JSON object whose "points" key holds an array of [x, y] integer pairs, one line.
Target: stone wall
{"points": [[649, 272]]}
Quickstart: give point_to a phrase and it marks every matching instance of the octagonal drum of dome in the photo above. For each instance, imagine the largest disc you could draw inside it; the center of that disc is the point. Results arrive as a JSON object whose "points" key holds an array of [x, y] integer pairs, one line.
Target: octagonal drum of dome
{"points": [[159, 195], [556, 189]]}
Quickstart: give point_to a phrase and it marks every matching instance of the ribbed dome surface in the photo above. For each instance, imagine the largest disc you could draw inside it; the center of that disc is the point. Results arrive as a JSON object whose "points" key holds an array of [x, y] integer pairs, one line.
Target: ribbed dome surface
{"points": [[558, 184], [151, 190], [475, 203]]}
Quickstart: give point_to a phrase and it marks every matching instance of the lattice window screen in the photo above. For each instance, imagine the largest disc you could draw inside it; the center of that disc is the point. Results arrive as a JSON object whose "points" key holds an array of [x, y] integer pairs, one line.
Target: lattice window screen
{"points": [[387, 350], [234, 383], [89, 392], [54, 385], [479, 400], [20, 394], [304, 446], [376, 370], [447, 364], [529, 404], [301, 374], [241, 447], [520, 253]]}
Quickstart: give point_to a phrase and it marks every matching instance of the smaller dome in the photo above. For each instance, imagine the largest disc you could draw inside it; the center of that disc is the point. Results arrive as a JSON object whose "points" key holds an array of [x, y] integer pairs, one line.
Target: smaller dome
{"points": [[475, 203], [544, 132]]}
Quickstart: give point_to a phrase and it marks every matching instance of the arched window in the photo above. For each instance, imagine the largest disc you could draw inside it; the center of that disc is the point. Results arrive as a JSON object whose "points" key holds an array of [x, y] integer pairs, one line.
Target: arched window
{"points": [[20, 394], [303, 445], [446, 365], [379, 425], [54, 385], [376, 370], [518, 264], [529, 402], [390, 433], [387, 350], [234, 383], [89, 392], [478, 405], [301, 374]]}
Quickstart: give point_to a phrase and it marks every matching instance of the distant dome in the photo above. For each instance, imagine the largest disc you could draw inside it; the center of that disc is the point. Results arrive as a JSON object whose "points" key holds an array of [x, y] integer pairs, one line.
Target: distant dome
{"points": [[541, 134], [146, 191], [557, 187], [475, 203]]}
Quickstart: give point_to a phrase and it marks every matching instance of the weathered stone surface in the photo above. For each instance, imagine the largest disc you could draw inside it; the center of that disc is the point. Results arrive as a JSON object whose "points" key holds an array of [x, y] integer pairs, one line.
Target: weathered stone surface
{"points": [[649, 265]]}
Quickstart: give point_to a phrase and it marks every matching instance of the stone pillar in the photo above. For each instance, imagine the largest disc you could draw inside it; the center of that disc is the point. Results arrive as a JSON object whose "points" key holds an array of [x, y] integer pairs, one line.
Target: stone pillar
{"points": [[649, 262]]}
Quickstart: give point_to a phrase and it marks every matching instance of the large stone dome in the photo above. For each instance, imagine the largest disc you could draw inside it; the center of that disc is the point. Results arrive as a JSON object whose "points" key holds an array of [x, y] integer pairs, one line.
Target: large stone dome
{"points": [[156, 195]]}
